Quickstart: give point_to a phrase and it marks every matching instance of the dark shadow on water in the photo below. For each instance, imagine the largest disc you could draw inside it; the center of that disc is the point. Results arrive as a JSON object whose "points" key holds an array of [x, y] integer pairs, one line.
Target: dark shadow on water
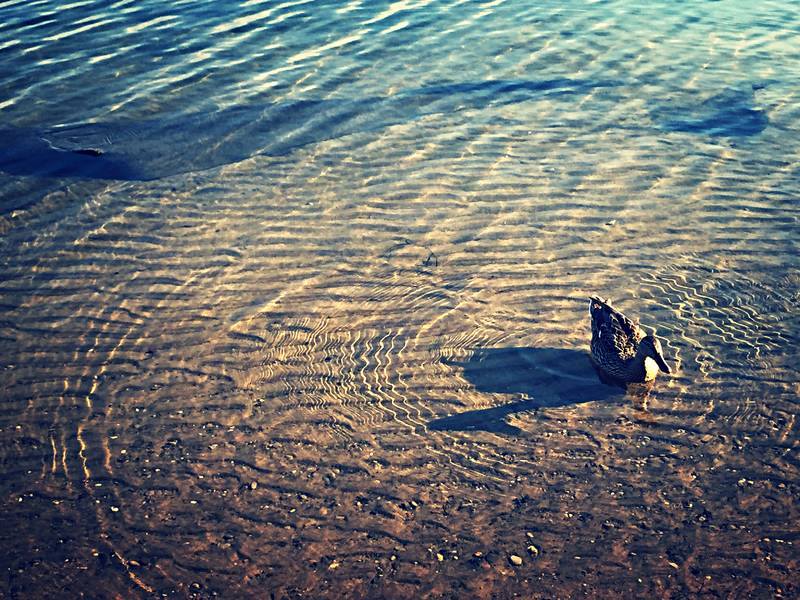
{"points": [[731, 113], [178, 143], [547, 377], [169, 144]]}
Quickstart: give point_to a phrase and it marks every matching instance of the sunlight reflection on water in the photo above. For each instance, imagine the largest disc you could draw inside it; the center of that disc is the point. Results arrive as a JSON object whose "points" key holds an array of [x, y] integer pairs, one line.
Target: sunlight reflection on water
{"points": [[293, 298]]}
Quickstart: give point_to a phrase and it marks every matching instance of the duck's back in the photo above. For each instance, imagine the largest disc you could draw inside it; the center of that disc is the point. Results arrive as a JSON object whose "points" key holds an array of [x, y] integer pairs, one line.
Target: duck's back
{"points": [[615, 337]]}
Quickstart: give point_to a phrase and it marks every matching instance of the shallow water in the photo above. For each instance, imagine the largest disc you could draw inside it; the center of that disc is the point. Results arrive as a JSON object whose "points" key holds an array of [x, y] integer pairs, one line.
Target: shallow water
{"points": [[345, 354]]}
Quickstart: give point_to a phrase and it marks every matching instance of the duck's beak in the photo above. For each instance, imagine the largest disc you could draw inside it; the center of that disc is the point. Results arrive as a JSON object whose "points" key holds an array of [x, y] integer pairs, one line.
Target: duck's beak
{"points": [[662, 364]]}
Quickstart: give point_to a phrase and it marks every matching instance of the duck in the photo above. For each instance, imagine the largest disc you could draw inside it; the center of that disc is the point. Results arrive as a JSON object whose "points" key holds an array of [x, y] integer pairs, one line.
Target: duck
{"points": [[620, 348]]}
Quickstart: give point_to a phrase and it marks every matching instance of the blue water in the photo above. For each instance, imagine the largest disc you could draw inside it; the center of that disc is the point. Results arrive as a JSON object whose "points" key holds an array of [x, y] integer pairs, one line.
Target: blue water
{"points": [[181, 77], [90, 61], [293, 298]]}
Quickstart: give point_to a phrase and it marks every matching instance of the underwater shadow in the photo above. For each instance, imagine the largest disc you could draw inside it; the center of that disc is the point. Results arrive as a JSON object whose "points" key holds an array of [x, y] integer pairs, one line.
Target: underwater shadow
{"points": [[548, 377], [730, 113], [179, 143], [174, 143]]}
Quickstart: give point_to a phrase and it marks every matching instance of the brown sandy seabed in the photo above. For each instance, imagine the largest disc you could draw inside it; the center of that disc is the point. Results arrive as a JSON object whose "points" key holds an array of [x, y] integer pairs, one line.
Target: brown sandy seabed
{"points": [[224, 383]]}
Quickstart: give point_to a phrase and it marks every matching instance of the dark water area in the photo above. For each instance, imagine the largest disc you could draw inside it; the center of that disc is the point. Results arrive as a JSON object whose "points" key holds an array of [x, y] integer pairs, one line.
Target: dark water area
{"points": [[194, 142], [731, 113], [294, 299], [148, 150]]}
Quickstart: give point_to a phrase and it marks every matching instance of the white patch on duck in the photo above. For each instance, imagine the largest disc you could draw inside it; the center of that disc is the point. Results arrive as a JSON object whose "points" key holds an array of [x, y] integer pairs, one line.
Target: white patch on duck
{"points": [[650, 369]]}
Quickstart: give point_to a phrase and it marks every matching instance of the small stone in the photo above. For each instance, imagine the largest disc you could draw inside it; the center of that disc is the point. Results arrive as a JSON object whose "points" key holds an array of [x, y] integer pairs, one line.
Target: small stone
{"points": [[334, 565], [515, 560], [478, 554], [253, 485], [673, 565], [114, 509], [533, 550], [439, 556]]}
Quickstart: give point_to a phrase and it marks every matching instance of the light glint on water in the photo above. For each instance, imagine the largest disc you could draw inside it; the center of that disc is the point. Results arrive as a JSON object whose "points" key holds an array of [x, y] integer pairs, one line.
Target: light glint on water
{"points": [[293, 298]]}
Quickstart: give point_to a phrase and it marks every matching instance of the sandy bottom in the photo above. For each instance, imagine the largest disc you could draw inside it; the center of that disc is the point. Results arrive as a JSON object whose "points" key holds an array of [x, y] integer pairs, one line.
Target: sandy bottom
{"points": [[337, 375]]}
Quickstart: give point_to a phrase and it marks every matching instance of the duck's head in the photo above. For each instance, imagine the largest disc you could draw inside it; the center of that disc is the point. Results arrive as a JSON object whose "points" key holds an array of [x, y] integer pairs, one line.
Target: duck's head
{"points": [[650, 346], [597, 305]]}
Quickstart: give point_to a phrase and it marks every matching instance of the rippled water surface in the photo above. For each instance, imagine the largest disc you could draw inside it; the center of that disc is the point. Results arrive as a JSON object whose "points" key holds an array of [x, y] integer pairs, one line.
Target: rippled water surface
{"points": [[293, 298]]}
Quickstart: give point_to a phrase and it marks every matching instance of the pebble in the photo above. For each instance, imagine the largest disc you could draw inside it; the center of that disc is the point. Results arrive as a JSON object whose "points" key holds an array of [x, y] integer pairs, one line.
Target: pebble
{"points": [[439, 556], [533, 550], [515, 560]]}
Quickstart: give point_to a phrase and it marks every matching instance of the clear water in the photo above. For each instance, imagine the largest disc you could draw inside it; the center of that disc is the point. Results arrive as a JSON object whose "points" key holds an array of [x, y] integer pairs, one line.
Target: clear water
{"points": [[293, 298]]}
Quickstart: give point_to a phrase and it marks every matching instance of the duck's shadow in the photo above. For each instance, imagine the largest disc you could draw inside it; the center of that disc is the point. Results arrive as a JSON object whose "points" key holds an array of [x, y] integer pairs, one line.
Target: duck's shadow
{"points": [[546, 377]]}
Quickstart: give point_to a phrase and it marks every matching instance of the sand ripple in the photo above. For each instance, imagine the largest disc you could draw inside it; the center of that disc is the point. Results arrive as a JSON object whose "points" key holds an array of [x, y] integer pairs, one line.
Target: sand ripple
{"points": [[359, 368]]}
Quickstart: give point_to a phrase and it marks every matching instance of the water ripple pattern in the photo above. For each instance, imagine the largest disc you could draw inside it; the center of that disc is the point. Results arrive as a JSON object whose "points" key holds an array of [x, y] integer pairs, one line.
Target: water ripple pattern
{"points": [[294, 298]]}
